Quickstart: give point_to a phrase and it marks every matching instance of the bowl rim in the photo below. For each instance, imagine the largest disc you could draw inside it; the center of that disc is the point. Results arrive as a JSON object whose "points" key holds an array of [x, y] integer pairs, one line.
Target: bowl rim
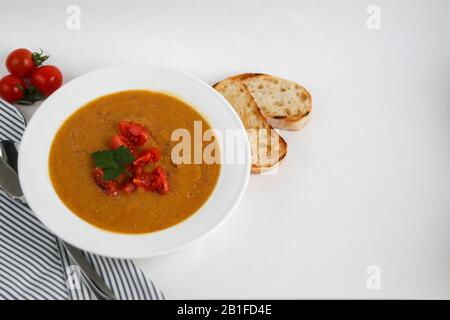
{"points": [[31, 187]]}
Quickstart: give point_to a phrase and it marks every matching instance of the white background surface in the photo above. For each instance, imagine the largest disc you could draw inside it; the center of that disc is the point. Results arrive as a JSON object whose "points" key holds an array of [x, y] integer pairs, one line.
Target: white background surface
{"points": [[367, 182]]}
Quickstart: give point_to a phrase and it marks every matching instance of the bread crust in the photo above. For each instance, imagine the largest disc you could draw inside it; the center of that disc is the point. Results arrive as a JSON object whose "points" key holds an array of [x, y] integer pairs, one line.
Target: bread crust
{"points": [[288, 123], [291, 123], [261, 169], [256, 168]]}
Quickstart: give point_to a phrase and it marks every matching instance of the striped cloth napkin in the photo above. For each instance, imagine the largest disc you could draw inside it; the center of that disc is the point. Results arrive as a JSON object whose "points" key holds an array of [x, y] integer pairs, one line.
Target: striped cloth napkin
{"points": [[33, 262]]}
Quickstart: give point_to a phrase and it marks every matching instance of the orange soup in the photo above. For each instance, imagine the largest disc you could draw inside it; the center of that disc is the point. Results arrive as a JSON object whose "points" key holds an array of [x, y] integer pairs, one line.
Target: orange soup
{"points": [[184, 189]]}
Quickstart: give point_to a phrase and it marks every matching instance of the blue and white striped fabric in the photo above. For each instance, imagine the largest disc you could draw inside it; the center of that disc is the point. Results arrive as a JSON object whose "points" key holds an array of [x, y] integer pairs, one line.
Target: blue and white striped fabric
{"points": [[34, 263]]}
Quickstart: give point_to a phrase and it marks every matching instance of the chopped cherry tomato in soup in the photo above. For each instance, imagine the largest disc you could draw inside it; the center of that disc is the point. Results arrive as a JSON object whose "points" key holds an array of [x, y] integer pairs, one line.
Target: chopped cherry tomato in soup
{"points": [[160, 172], [109, 187], [160, 184], [147, 156], [138, 170], [134, 170], [135, 132], [128, 187], [154, 181], [133, 175], [118, 140], [143, 180]]}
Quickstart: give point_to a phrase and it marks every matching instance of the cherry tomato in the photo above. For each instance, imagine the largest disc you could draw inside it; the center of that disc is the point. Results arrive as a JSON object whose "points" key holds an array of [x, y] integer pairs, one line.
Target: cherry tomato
{"points": [[109, 187], [160, 185], [118, 140], [143, 180], [147, 156], [47, 79], [159, 171], [10, 88], [136, 170], [135, 132], [20, 62], [128, 187], [154, 181], [160, 182]]}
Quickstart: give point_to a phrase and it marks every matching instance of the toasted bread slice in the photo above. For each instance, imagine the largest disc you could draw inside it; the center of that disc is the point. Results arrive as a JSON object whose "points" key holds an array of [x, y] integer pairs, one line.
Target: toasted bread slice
{"points": [[284, 103], [267, 147]]}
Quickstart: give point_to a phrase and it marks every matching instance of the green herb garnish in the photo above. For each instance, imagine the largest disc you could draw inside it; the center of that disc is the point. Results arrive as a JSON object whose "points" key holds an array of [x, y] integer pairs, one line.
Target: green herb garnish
{"points": [[113, 161], [39, 57]]}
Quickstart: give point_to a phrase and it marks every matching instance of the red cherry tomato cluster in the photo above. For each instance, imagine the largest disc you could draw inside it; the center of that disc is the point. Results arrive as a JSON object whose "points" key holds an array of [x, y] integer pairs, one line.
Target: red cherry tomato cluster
{"points": [[132, 136], [29, 80]]}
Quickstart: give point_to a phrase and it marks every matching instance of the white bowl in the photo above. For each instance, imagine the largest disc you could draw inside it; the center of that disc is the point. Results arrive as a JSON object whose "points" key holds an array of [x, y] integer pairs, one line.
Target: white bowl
{"points": [[39, 192]]}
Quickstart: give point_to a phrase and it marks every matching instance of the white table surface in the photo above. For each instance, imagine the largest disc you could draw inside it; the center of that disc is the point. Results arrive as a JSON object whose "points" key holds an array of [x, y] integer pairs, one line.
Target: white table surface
{"points": [[367, 182]]}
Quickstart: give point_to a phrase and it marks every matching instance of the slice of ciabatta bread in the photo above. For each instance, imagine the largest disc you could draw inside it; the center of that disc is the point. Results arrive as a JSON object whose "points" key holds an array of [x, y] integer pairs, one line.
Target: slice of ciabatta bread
{"points": [[267, 147], [284, 103]]}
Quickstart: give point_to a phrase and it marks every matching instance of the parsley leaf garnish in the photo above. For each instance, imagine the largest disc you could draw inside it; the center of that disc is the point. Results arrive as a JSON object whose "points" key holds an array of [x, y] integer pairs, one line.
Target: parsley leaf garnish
{"points": [[124, 156], [111, 173], [113, 161]]}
